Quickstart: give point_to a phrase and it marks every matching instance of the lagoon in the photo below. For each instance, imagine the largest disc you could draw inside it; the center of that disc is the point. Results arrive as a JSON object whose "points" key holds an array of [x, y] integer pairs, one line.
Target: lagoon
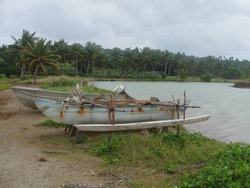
{"points": [[229, 106]]}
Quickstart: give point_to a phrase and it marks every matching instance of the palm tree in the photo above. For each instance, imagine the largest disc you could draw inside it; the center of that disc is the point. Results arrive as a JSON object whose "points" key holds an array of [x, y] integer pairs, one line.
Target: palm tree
{"points": [[146, 58], [61, 48], [93, 53], [116, 57], [76, 53], [21, 45], [39, 56]]}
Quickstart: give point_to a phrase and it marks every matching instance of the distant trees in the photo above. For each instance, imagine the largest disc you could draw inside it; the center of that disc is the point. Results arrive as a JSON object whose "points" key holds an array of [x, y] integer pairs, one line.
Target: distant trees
{"points": [[7, 62], [92, 59], [206, 77]]}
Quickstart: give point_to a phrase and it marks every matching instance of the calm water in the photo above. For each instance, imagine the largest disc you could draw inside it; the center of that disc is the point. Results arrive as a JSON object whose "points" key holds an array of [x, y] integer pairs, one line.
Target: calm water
{"points": [[229, 106]]}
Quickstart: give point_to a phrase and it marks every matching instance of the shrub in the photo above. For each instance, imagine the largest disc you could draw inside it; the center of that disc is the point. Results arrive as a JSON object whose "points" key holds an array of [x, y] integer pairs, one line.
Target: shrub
{"points": [[62, 81], [163, 75], [183, 75], [229, 168], [206, 77]]}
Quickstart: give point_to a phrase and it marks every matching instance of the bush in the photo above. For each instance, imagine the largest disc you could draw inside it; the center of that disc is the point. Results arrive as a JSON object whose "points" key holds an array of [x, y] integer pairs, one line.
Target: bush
{"points": [[206, 77], [229, 168], [63, 81], [163, 75], [183, 75]]}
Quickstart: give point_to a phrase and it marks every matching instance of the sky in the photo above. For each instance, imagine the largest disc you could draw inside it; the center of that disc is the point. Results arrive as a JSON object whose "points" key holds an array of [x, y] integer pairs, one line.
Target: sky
{"points": [[195, 27]]}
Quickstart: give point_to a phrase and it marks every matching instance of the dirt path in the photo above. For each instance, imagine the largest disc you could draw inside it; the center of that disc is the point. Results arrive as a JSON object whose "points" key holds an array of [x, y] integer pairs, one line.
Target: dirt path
{"points": [[20, 164]]}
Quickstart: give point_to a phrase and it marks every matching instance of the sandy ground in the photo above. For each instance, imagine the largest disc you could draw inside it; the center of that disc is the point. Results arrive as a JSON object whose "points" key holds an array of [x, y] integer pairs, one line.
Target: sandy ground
{"points": [[20, 159]]}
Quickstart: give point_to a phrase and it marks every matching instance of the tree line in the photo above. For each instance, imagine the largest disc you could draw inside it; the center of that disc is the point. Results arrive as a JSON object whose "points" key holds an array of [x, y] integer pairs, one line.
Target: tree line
{"points": [[35, 55]]}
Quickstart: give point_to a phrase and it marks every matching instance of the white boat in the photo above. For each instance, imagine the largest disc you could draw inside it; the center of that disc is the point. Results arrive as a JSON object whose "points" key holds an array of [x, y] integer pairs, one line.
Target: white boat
{"points": [[28, 95], [126, 112], [139, 125]]}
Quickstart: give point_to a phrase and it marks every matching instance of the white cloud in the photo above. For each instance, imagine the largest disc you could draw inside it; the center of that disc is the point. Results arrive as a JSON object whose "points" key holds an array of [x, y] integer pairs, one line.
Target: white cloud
{"points": [[196, 27]]}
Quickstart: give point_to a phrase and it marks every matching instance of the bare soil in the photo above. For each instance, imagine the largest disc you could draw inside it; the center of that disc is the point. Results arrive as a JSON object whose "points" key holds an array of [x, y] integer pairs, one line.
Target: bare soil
{"points": [[23, 163]]}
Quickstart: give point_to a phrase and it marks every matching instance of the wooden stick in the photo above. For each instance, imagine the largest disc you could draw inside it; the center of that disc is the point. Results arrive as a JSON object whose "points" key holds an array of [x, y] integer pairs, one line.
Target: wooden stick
{"points": [[185, 98], [112, 109]]}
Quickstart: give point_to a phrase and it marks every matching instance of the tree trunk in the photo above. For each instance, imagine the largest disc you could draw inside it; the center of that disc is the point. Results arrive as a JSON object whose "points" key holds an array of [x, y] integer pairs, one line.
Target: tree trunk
{"points": [[35, 73], [62, 67], [23, 69], [87, 68], [165, 67], [93, 66], [76, 67], [169, 70]]}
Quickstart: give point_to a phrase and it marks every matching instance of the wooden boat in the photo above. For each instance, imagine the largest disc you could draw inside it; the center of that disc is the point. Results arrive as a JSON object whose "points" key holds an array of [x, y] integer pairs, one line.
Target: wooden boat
{"points": [[28, 95], [125, 111], [139, 125]]}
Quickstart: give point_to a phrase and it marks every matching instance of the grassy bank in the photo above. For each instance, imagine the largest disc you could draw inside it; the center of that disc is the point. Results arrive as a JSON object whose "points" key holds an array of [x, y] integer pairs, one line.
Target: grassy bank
{"points": [[155, 160], [4, 86], [41, 79], [161, 160], [57, 83], [158, 159], [68, 84]]}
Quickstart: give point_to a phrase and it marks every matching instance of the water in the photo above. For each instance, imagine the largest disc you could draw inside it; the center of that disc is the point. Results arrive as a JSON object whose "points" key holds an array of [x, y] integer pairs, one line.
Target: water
{"points": [[229, 106]]}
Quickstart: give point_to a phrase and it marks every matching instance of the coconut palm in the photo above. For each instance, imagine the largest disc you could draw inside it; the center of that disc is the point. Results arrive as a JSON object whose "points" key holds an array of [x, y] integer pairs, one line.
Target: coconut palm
{"points": [[61, 48], [20, 46], [76, 54], [39, 56], [92, 52]]}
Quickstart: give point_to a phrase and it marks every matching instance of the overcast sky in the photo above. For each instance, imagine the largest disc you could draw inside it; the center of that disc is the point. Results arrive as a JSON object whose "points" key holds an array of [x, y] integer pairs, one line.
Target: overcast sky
{"points": [[195, 27]]}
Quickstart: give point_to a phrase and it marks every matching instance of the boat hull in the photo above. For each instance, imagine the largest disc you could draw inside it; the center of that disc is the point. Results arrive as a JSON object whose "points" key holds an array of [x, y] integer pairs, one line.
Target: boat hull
{"points": [[27, 95], [91, 114], [140, 125]]}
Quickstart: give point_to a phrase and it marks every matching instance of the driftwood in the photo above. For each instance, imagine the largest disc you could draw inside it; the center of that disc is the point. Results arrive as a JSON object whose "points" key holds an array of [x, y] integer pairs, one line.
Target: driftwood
{"points": [[78, 98], [114, 183], [74, 185]]}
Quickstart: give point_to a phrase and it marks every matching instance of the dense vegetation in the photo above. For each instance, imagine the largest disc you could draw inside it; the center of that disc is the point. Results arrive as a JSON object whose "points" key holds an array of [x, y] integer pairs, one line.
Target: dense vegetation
{"points": [[229, 168], [34, 55], [66, 84]]}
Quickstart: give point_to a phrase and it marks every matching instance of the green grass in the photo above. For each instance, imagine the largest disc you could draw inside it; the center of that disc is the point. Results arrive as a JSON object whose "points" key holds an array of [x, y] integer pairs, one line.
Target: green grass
{"points": [[50, 123], [4, 86], [28, 79], [162, 153], [86, 89], [161, 160], [157, 150], [68, 84]]}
